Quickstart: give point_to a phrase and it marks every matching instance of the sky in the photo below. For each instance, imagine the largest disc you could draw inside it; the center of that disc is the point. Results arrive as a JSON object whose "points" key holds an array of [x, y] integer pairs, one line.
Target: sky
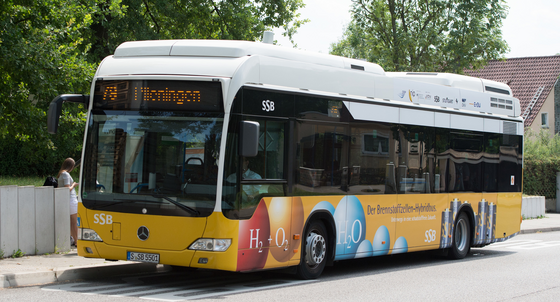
{"points": [[532, 27]]}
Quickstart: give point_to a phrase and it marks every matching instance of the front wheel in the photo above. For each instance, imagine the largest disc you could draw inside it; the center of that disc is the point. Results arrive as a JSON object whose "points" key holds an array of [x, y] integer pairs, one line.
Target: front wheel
{"points": [[314, 252], [461, 243]]}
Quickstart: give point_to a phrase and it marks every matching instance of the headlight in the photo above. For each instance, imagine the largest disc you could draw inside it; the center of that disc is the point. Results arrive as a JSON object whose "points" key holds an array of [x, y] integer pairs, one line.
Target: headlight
{"points": [[209, 244], [88, 234]]}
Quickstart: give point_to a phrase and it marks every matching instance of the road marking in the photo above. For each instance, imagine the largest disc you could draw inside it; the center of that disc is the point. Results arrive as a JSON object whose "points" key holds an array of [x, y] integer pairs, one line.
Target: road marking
{"points": [[525, 244], [177, 286]]}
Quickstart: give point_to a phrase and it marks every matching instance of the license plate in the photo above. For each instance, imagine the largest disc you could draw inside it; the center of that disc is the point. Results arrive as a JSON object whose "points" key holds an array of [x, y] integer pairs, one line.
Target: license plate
{"points": [[142, 257]]}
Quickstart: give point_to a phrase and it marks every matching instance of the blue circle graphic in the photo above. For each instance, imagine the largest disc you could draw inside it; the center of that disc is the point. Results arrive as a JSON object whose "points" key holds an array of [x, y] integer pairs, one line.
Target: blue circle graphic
{"points": [[381, 241], [364, 250], [350, 227], [400, 246], [324, 205]]}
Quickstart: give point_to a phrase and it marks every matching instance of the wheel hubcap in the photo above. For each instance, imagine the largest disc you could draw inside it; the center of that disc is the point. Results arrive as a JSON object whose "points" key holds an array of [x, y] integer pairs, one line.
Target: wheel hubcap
{"points": [[461, 234], [316, 249]]}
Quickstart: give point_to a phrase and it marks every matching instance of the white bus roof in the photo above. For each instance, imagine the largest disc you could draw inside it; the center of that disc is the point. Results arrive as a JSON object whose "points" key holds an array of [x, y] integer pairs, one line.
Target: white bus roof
{"points": [[235, 49], [245, 62]]}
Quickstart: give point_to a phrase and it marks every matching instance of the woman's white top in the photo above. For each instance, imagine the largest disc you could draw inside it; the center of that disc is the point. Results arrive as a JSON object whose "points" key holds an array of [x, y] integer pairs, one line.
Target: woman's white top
{"points": [[66, 180]]}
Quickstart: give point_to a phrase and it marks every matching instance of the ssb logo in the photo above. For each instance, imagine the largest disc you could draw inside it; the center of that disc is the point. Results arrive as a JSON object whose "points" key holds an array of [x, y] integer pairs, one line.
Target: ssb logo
{"points": [[102, 219], [268, 105]]}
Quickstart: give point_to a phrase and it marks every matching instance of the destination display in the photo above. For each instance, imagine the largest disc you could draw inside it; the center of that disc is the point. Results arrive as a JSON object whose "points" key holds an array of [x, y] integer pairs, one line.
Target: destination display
{"points": [[158, 95]]}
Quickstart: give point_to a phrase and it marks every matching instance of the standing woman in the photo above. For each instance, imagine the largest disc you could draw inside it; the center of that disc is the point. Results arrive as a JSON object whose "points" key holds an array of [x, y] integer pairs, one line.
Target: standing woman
{"points": [[66, 180]]}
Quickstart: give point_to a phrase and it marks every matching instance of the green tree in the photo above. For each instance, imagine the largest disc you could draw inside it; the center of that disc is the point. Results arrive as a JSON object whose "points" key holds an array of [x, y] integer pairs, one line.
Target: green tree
{"points": [[541, 146], [189, 19], [51, 47], [425, 35], [42, 53]]}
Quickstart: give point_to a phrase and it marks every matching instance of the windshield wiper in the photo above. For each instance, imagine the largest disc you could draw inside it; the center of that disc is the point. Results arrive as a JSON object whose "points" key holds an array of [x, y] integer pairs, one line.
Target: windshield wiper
{"points": [[180, 205], [123, 201]]}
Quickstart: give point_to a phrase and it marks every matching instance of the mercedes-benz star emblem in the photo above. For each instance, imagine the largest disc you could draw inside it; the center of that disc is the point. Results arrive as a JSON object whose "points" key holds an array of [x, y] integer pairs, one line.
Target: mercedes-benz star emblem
{"points": [[143, 233]]}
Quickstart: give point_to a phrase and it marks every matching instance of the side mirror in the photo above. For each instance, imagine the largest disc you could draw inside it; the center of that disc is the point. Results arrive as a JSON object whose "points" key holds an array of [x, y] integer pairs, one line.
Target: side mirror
{"points": [[249, 139], [55, 108]]}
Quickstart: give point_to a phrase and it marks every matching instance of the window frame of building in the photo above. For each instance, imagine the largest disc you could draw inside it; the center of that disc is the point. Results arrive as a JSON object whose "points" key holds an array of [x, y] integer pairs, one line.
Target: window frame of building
{"points": [[544, 120]]}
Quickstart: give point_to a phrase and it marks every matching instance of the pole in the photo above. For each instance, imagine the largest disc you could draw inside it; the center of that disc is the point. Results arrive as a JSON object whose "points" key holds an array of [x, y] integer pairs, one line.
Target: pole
{"points": [[557, 192]]}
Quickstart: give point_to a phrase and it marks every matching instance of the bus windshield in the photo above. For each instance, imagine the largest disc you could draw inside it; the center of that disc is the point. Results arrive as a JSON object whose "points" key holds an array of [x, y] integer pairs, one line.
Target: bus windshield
{"points": [[151, 161]]}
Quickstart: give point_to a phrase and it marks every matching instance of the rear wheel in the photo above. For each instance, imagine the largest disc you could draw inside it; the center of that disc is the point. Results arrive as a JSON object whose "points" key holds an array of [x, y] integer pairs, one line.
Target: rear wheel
{"points": [[461, 243], [314, 251]]}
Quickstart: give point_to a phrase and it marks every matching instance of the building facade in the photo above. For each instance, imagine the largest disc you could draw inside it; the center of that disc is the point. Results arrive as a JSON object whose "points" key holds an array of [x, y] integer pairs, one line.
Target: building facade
{"points": [[534, 81]]}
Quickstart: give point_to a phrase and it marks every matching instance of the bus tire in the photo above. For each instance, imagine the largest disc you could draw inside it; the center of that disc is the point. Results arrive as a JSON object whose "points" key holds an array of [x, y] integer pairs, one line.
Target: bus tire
{"points": [[461, 242], [314, 251]]}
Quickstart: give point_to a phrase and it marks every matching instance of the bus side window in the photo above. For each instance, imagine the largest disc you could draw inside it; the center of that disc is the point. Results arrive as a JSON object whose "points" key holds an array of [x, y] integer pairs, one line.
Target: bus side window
{"points": [[492, 142], [269, 161], [321, 158], [441, 160], [415, 175], [465, 164], [510, 164], [371, 168]]}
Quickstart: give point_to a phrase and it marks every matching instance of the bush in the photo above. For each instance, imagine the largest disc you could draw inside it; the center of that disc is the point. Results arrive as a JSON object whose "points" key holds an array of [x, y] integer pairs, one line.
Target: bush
{"points": [[539, 177], [541, 162]]}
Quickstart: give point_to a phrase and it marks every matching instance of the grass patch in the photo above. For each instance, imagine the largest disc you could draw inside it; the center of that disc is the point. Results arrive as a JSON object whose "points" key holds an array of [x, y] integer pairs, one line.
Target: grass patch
{"points": [[22, 181], [36, 181], [17, 254]]}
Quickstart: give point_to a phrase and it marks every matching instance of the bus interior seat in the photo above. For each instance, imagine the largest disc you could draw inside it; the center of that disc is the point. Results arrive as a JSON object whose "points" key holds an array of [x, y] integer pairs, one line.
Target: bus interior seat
{"points": [[171, 183], [193, 169]]}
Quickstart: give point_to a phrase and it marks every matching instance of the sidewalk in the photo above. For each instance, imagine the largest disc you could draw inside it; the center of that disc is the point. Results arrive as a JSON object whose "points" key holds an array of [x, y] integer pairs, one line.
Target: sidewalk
{"points": [[550, 223], [32, 270], [42, 269]]}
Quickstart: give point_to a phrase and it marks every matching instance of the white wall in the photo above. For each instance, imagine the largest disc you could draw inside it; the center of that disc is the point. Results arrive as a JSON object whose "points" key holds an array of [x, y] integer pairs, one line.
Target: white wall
{"points": [[35, 220], [533, 206]]}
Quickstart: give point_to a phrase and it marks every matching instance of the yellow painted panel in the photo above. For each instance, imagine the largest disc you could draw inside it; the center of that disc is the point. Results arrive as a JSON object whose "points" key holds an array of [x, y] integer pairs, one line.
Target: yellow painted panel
{"points": [[472, 198], [490, 197], [380, 221], [508, 214], [223, 228], [179, 258], [82, 216], [83, 245], [420, 219], [116, 231], [165, 232]]}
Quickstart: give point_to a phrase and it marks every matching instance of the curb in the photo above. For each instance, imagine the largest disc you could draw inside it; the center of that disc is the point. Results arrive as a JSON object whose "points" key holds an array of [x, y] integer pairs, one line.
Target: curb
{"points": [[76, 273], [539, 230]]}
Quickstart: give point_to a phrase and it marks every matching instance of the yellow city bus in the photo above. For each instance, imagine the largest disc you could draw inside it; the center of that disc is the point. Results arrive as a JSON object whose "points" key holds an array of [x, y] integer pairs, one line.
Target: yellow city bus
{"points": [[242, 156]]}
